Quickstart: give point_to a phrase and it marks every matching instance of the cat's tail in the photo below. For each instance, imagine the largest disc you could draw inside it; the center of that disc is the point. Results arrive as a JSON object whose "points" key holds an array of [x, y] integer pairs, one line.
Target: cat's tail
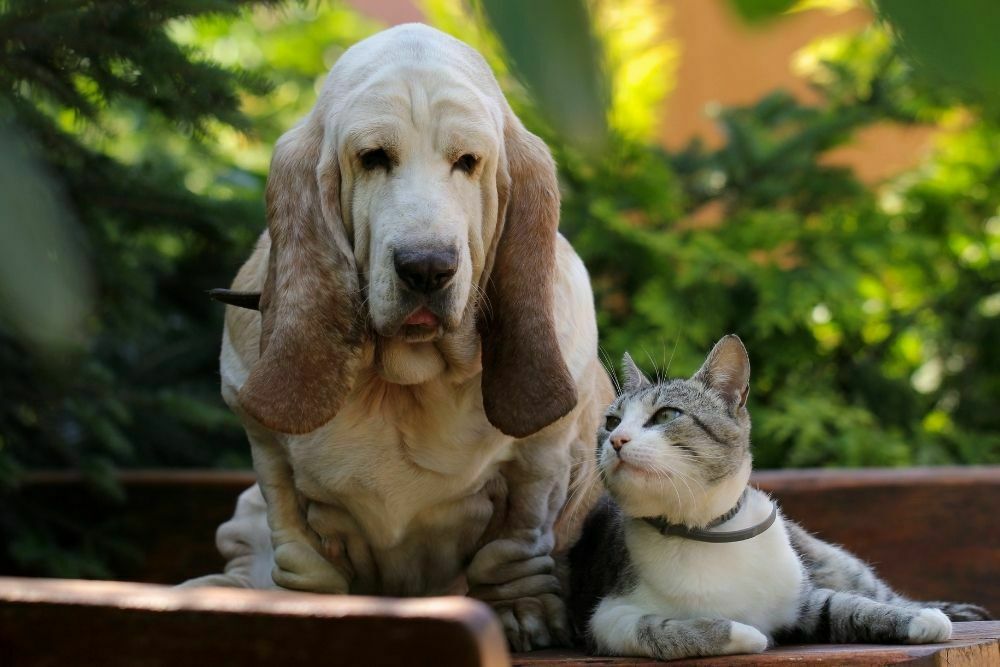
{"points": [[960, 611]]}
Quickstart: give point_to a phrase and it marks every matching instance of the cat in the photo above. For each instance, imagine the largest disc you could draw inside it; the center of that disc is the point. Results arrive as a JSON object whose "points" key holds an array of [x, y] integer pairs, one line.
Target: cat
{"points": [[681, 558]]}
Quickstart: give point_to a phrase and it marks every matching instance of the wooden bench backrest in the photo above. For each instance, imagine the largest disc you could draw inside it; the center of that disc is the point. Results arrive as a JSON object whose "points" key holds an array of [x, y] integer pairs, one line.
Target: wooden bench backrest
{"points": [[934, 533]]}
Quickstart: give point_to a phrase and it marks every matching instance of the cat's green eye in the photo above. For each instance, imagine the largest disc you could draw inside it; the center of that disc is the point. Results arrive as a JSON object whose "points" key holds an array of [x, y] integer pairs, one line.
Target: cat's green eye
{"points": [[663, 415], [611, 422]]}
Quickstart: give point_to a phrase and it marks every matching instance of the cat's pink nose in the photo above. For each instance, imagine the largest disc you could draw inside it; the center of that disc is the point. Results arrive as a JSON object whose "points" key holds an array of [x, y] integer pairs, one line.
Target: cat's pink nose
{"points": [[619, 441]]}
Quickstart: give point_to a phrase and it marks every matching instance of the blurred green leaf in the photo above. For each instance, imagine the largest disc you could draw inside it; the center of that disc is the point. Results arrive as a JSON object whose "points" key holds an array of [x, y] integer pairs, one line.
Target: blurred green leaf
{"points": [[760, 11], [955, 43], [553, 50], [45, 291]]}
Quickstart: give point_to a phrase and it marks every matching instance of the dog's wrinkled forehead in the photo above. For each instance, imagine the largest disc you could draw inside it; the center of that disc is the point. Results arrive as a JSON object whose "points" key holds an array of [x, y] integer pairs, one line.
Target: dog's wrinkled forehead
{"points": [[391, 58], [415, 97]]}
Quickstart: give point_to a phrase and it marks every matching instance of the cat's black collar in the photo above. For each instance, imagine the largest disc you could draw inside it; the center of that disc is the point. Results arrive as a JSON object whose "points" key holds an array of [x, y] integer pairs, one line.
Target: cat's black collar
{"points": [[668, 529]]}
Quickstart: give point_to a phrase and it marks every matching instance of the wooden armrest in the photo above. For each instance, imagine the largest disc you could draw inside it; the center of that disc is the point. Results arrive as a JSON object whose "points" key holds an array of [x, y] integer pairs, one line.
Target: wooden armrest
{"points": [[60, 622], [73, 622]]}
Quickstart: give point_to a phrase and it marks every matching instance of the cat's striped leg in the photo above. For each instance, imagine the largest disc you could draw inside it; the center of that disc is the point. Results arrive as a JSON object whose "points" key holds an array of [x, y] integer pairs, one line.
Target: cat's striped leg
{"points": [[621, 628], [836, 617], [834, 567]]}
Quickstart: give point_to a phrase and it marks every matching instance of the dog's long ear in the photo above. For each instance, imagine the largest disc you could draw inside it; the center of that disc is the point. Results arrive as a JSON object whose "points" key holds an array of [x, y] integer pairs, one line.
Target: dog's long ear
{"points": [[310, 335], [526, 385]]}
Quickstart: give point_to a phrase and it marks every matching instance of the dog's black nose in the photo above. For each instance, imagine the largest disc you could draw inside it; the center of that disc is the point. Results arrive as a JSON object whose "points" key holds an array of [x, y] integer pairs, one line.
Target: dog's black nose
{"points": [[426, 271]]}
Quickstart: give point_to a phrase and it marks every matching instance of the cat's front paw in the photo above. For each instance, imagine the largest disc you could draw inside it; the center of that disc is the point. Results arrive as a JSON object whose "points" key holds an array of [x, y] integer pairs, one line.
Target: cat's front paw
{"points": [[744, 638], [929, 626], [534, 623], [300, 567]]}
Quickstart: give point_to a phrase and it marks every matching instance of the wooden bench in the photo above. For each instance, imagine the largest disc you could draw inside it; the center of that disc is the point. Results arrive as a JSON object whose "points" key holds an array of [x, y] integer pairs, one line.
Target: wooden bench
{"points": [[933, 533]]}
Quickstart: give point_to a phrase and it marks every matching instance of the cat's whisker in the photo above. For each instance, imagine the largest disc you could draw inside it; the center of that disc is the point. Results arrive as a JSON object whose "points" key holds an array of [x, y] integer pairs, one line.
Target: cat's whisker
{"points": [[608, 367], [705, 456], [656, 372], [677, 339], [674, 473], [701, 487], [582, 485], [667, 476], [687, 486], [684, 478]]}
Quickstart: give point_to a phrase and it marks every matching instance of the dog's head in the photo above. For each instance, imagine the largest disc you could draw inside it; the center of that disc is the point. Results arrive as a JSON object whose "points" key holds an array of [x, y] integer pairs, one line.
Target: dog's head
{"points": [[409, 201]]}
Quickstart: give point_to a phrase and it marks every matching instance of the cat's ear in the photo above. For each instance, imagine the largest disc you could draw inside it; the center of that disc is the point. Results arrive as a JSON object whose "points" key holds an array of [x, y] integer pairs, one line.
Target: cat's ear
{"points": [[634, 379], [727, 370]]}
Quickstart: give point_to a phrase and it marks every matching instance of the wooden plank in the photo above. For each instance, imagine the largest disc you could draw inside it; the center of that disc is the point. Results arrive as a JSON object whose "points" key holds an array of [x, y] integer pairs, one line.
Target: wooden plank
{"points": [[168, 517], [972, 644], [71, 622], [930, 532], [57, 622], [841, 478]]}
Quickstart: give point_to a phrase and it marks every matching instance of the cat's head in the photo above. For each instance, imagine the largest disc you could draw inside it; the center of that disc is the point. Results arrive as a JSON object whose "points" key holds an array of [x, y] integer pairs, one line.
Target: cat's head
{"points": [[680, 448]]}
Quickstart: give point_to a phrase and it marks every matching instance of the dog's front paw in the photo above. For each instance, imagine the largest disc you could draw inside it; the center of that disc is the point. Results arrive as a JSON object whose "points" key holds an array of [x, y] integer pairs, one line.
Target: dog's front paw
{"points": [[744, 638], [929, 626], [300, 567], [533, 623]]}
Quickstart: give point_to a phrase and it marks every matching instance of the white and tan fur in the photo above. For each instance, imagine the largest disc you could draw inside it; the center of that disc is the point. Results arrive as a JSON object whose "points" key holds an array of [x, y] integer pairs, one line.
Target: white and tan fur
{"points": [[400, 461]]}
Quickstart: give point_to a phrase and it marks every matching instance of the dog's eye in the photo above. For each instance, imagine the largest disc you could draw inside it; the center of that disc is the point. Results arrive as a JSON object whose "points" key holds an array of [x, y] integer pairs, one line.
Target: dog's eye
{"points": [[611, 423], [375, 159], [466, 163]]}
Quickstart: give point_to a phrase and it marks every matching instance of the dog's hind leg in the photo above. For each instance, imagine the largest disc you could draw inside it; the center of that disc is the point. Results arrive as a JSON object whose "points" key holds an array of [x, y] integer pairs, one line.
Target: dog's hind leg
{"points": [[245, 542]]}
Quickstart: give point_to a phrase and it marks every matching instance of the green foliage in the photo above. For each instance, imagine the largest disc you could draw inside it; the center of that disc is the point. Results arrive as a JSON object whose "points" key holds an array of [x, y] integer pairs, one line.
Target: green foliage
{"points": [[556, 55], [871, 312], [759, 11], [151, 127], [953, 44], [133, 385], [867, 311]]}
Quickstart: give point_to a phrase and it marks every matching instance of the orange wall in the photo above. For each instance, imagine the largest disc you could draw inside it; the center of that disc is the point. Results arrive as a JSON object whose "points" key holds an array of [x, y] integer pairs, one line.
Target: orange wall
{"points": [[724, 61]]}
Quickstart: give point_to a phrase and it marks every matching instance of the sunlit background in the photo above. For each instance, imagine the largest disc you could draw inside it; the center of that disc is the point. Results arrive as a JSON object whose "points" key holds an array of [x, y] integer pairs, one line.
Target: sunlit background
{"points": [[805, 174]]}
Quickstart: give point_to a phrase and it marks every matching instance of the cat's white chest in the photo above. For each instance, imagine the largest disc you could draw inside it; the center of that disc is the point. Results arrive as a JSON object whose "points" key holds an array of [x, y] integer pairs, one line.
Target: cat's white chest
{"points": [[757, 581]]}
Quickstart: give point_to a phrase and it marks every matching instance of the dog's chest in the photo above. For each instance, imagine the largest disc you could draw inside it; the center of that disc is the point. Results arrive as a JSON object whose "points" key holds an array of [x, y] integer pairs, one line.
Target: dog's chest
{"points": [[406, 477]]}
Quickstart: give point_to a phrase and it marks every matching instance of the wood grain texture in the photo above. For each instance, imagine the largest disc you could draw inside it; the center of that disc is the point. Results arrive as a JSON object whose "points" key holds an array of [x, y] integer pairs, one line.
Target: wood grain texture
{"points": [[933, 533], [60, 622], [168, 518], [72, 622], [971, 644]]}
